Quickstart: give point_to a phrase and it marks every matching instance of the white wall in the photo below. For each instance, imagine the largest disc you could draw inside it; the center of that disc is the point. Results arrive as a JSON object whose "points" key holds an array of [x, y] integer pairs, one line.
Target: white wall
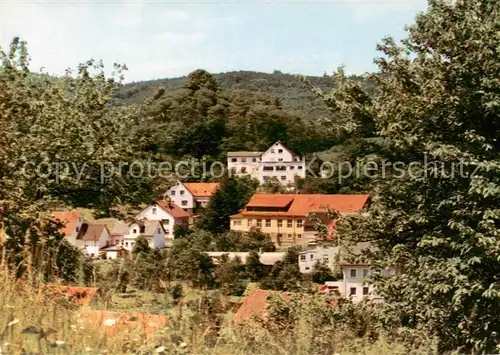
{"points": [[243, 166], [278, 157], [93, 247], [325, 254], [167, 219], [156, 241], [181, 196], [78, 226]]}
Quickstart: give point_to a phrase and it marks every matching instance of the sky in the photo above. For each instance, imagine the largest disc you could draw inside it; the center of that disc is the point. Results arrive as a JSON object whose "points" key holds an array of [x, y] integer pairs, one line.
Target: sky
{"points": [[163, 39]]}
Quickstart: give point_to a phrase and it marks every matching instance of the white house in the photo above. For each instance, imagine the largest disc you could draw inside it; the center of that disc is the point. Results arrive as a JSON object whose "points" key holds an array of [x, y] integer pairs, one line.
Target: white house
{"points": [[326, 254], [354, 283], [153, 231], [168, 213], [72, 222], [92, 238], [278, 161], [191, 195], [115, 251]]}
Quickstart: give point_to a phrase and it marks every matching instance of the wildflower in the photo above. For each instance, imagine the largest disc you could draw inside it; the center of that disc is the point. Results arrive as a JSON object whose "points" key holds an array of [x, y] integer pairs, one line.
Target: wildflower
{"points": [[160, 349], [60, 343], [183, 345], [110, 322], [12, 322]]}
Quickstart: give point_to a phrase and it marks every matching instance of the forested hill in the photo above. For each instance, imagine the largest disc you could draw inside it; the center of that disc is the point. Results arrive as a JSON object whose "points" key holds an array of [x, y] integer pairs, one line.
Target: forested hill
{"points": [[295, 97]]}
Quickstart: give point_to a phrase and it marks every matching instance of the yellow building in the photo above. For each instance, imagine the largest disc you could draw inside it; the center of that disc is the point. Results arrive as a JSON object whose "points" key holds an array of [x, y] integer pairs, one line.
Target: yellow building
{"points": [[285, 217]]}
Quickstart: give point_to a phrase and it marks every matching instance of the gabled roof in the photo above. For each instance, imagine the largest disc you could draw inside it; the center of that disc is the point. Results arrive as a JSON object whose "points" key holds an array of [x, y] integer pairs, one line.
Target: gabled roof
{"points": [[202, 189], [92, 231], [115, 226], [69, 218], [284, 146], [174, 210]]}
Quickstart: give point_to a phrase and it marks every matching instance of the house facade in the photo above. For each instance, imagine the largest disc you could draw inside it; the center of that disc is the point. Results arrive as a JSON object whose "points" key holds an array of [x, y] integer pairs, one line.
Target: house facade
{"points": [[192, 195], [93, 238], [73, 222], [278, 162], [153, 231], [325, 254], [287, 217], [168, 213]]}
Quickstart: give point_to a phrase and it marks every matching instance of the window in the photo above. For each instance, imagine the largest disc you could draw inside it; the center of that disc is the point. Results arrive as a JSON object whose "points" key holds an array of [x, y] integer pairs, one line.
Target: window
{"points": [[365, 272], [254, 160], [166, 222], [233, 170], [280, 159], [172, 193], [134, 231], [353, 273], [243, 169], [280, 151], [326, 258], [184, 202], [154, 210], [259, 223], [307, 268], [283, 177], [280, 223], [302, 257], [243, 160], [352, 291], [299, 223], [268, 168], [158, 231], [266, 178], [268, 223], [289, 223], [290, 237], [311, 256], [234, 160], [299, 167], [249, 223], [281, 168], [299, 236], [365, 291], [237, 223], [182, 192], [77, 229], [126, 244], [272, 150], [292, 167]]}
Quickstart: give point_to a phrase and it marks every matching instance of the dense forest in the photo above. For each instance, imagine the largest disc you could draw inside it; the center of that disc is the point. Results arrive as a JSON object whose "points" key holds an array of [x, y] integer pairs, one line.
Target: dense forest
{"points": [[293, 94]]}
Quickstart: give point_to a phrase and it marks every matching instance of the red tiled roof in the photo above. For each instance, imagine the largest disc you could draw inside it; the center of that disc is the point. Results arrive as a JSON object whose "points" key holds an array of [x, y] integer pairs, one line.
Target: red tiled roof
{"points": [[69, 218], [173, 209], [255, 304], [202, 189], [270, 200], [302, 204], [81, 295]]}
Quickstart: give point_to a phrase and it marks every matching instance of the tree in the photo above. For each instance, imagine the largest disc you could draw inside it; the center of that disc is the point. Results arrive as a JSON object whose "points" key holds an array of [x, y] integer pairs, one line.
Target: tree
{"points": [[232, 195], [254, 268], [285, 275], [437, 107], [61, 142], [229, 274], [322, 273]]}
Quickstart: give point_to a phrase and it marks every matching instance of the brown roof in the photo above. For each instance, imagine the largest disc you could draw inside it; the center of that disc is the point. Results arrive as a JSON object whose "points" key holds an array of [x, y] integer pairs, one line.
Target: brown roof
{"points": [[202, 189], [173, 209], [244, 154], [93, 232], [270, 200], [303, 204], [255, 304], [115, 226], [69, 218], [150, 226]]}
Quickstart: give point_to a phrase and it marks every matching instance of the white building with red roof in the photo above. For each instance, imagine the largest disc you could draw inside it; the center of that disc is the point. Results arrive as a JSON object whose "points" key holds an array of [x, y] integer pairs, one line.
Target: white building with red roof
{"points": [[169, 213], [190, 195]]}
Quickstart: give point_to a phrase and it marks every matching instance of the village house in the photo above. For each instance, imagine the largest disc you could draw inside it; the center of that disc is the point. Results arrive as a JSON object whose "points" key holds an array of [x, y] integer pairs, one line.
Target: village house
{"points": [[153, 231], [288, 218], [72, 221], [278, 162], [118, 229], [115, 251], [354, 283], [168, 213], [92, 238], [192, 195]]}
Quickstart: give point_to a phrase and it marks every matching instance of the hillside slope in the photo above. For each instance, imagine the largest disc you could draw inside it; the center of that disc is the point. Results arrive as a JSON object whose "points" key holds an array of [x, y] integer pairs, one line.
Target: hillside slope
{"points": [[292, 93]]}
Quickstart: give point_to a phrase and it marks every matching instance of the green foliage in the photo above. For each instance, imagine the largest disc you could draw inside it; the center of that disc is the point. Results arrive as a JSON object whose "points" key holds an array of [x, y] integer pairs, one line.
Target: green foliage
{"points": [[285, 276], [322, 273], [229, 274], [141, 246], [255, 270], [438, 107], [232, 195], [244, 241]]}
